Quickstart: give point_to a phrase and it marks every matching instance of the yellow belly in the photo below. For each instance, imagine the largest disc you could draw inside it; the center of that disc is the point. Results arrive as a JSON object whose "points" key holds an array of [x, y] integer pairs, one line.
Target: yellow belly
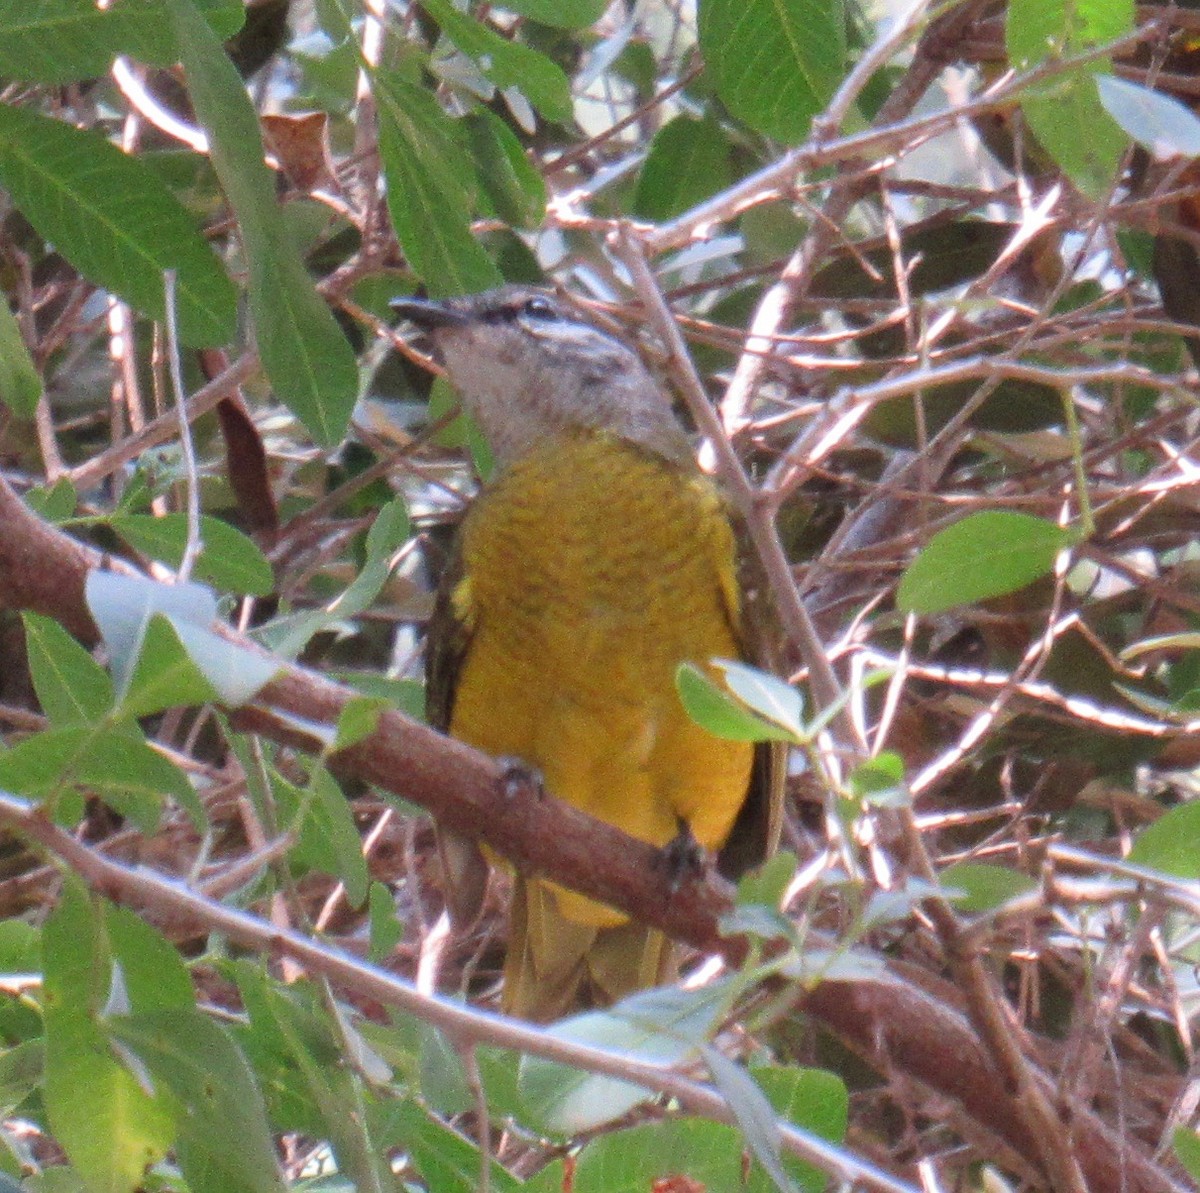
{"points": [[592, 570]]}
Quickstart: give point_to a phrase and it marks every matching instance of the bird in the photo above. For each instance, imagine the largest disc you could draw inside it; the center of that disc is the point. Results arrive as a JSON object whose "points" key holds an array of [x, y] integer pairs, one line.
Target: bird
{"points": [[595, 561]]}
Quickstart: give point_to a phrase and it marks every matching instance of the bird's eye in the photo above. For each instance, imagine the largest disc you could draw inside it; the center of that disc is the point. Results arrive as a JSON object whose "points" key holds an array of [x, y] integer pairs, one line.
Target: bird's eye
{"points": [[539, 308]]}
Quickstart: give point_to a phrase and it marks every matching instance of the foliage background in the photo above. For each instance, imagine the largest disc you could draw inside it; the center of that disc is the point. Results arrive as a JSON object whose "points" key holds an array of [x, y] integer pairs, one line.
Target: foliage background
{"points": [[934, 268]]}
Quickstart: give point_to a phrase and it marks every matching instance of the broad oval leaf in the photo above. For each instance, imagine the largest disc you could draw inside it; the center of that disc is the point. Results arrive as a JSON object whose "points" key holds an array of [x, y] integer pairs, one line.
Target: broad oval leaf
{"points": [[224, 1141], [20, 382], [122, 606], [515, 190], [985, 555], [977, 886], [663, 1026], [109, 1126], [1187, 1150], [506, 63], [562, 14], [117, 764], [689, 160], [775, 62], [1171, 844], [63, 41], [1065, 112], [71, 686], [772, 698]]}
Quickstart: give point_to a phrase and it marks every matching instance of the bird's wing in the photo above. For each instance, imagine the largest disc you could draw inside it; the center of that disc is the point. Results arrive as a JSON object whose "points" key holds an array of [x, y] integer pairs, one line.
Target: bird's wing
{"points": [[756, 831], [464, 868]]}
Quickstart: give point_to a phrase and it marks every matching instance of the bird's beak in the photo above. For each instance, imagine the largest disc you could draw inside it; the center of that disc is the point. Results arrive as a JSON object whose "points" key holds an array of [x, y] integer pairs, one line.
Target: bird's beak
{"points": [[427, 314]]}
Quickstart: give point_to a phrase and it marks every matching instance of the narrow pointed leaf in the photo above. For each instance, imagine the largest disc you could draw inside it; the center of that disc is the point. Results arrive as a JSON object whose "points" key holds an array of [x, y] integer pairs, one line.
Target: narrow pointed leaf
{"points": [[115, 221], [305, 354]]}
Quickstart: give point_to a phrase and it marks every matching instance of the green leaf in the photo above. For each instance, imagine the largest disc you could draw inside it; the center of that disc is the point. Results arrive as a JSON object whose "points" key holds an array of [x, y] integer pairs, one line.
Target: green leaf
{"points": [[408, 695], [1187, 1150], [71, 686], [647, 1156], [55, 503], [977, 886], [1040, 29], [64, 41], [307, 358], [22, 1071], [775, 63], [389, 532], [772, 698], [116, 763], [506, 63], [122, 607], [319, 1056], [562, 14], [429, 189], [515, 190], [331, 811], [153, 974], [880, 781], [110, 1128], [112, 218], [234, 672], [1065, 112], [447, 1162], [813, 1099], [228, 559], [224, 1144], [715, 709], [1155, 121], [689, 160], [185, 661], [1171, 844], [164, 676], [985, 555], [358, 719], [20, 382], [386, 930]]}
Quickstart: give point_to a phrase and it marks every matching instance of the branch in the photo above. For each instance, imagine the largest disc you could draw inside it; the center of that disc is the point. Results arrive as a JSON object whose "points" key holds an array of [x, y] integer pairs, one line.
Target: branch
{"points": [[464, 1025], [888, 1021]]}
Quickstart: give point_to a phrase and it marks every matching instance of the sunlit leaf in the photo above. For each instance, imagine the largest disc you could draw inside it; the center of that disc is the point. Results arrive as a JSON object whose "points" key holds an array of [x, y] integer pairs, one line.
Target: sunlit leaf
{"points": [[719, 712], [985, 555]]}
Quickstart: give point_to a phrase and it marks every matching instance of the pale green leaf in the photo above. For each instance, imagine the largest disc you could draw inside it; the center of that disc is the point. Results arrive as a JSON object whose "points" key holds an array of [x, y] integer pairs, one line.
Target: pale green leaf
{"points": [[20, 382], [715, 709], [985, 555]]}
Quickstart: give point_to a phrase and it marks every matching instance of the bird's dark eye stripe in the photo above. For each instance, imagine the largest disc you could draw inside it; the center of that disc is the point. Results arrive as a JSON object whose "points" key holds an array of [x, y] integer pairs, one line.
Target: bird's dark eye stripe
{"points": [[535, 307]]}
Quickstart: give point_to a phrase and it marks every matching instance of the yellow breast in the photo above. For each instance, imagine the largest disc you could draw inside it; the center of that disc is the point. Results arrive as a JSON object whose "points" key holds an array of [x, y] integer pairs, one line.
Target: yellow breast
{"points": [[592, 569]]}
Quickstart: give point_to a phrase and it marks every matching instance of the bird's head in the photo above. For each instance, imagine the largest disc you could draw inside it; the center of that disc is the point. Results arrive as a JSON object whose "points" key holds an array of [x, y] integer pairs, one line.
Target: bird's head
{"points": [[526, 366]]}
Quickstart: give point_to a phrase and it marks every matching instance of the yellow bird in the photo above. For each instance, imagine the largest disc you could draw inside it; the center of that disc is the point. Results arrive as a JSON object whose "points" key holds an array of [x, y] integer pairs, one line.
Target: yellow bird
{"points": [[596, 561]]}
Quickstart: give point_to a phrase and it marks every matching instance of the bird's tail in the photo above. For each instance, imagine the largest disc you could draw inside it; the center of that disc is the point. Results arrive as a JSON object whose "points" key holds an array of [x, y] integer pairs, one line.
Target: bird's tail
{"points": [[556, 966]]}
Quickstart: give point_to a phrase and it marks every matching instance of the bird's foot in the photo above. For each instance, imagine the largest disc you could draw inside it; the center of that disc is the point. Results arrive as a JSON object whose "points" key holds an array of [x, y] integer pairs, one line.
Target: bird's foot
{"points": [[685, 856], [517, 777]]}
